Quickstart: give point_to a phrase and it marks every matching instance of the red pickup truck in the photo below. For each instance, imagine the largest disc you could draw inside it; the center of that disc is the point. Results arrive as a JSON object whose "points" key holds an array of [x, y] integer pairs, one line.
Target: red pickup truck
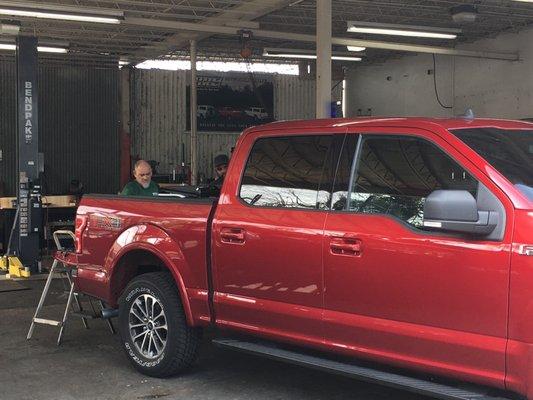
{"points": [[406, 242]]}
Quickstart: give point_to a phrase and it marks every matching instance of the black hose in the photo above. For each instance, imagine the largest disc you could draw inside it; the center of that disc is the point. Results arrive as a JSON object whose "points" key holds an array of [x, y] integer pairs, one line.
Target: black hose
{"points": [[435, 84]]}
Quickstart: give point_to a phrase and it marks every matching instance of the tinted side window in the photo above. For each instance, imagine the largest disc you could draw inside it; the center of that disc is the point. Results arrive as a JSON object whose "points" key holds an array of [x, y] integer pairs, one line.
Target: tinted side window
{"points": [[287, 172], [509, 151], [395, 174]]}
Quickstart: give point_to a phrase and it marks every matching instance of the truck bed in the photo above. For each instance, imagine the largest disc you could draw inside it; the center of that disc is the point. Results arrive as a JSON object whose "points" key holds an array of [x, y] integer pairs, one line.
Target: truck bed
{"points": [[123, 230]]}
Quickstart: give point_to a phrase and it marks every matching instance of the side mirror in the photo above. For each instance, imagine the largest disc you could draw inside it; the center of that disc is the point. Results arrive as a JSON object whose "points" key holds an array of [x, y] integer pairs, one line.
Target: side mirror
{"points": [[457, 211]]}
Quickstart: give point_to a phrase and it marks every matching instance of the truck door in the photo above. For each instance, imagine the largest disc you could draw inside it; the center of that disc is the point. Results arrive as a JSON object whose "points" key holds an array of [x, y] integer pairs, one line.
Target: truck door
{"points": [[267, 236], [398, 293]]}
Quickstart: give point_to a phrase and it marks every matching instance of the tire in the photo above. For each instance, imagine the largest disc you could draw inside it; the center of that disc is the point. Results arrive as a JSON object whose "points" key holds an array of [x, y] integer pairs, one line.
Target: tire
{"points": [[153, 328]]}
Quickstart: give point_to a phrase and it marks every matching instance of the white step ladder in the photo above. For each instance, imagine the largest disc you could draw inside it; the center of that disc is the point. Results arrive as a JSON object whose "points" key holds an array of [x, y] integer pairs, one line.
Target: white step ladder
{"points": [[66, 273]]}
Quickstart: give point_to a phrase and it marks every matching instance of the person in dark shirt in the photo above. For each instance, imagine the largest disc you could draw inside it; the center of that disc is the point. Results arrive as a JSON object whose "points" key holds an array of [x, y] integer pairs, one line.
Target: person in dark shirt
{"points": [[142, 185], [221, 166]]}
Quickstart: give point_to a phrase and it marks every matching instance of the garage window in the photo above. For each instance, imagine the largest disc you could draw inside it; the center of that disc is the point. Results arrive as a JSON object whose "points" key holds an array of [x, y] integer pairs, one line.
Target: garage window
{"points": [[394, 175], [288, 172]]}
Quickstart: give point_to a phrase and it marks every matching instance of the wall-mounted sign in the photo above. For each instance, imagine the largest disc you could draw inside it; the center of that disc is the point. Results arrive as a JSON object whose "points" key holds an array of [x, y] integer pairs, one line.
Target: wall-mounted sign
{"points": [[232, 102]]}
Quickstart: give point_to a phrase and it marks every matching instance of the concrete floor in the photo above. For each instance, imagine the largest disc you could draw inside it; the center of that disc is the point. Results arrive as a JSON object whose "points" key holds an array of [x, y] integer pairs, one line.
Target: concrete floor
{"points": [[91, 365]]}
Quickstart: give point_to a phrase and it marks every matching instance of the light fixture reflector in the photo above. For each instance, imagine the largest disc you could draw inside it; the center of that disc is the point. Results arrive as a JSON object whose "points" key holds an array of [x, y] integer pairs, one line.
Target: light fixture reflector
{"points": [[356, 48]]}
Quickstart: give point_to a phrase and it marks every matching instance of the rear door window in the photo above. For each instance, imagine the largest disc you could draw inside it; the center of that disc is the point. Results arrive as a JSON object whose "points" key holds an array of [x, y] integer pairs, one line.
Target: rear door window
{"points": [[288, 172]]}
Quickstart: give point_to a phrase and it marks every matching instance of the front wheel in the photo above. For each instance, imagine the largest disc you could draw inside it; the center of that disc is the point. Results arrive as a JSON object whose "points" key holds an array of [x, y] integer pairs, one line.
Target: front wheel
{"points": [[153, 328]]}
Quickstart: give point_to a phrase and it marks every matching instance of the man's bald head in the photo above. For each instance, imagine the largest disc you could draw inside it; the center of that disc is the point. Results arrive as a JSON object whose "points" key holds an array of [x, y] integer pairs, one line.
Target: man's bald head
{"points": [[142, 173], [141, 163]]}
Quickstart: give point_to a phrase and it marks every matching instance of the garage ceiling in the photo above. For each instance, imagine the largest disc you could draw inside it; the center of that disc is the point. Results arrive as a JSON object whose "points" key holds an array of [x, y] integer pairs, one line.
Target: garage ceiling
{"points": [[104, 42]]}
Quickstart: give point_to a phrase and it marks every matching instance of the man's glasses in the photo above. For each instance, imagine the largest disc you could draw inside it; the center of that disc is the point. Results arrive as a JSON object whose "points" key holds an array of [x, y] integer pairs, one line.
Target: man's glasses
{"points": [[221, 167]]}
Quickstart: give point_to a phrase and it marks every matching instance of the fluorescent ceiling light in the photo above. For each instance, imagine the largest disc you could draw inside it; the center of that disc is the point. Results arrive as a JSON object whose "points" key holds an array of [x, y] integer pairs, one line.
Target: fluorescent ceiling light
{"points": [[222, 66], [525, 1], [9, 29], [51, 15], [123, 62], [396, 32], [355, 48], [402, 30], [304, 54], [289, 55], [49, 49], [346, 58], [42, 49], [61, 12], [311, 56]]}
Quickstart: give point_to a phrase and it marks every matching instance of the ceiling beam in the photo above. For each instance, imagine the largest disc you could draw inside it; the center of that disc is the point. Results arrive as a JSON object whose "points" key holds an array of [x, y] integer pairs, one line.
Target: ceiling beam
{"points": [[169, 7], [246, 12], [300, 37]]}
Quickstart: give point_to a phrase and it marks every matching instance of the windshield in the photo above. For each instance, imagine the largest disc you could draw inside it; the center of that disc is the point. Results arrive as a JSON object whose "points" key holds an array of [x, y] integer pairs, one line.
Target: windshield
{"points": [[509, 151]]}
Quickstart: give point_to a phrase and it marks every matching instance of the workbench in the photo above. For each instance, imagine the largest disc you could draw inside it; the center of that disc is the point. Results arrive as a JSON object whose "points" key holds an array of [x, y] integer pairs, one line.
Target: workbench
{"points": [[62, 201], [59, 213]]}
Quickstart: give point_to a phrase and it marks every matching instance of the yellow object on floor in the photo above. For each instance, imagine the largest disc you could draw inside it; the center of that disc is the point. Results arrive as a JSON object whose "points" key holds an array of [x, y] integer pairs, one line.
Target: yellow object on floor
{"points": [[4, 263], [13, 267]]}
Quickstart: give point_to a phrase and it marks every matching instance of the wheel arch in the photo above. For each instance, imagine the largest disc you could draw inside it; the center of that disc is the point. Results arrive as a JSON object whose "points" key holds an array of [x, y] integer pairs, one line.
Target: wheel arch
{"points": [[142, 259]]}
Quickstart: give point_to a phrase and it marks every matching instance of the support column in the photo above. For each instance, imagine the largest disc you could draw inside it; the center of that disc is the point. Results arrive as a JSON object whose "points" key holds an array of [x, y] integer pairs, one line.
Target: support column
{"points": [[29, 163], [323, 61], [194, 102], [125, 126]]}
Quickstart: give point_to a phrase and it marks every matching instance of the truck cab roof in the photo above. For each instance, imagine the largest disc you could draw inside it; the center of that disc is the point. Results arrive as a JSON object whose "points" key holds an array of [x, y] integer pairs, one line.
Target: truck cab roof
{"points": [[446, 123]]}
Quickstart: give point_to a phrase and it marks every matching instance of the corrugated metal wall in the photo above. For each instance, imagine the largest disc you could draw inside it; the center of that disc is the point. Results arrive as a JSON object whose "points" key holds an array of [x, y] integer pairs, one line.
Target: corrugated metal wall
{"points": [[159, 115], [159, 118], [78, 117], [211, 144], [78, 114], [294, 98], [8, 128]]}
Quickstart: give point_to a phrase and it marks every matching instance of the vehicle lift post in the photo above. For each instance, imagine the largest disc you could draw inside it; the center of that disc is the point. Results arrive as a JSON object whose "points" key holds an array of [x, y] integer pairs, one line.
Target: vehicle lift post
{"points": [[29, 224]]}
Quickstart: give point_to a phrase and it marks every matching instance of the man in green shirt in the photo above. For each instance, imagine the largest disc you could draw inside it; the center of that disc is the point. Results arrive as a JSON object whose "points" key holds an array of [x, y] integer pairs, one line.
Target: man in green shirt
{"points": [[142, 185]]}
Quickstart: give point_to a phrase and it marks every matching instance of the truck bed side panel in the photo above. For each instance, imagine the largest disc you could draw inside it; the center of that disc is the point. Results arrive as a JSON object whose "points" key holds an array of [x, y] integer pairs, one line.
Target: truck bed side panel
{"points": [[175, 231]]}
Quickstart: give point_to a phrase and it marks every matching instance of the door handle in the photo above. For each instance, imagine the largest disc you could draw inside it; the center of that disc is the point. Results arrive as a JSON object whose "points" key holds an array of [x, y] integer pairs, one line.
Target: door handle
{"points": [[348, 246], [232, 235]]}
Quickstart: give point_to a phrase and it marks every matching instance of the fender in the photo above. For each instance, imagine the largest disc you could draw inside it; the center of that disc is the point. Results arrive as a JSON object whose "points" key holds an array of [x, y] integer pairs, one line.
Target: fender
{"points": [[154, 240]]}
